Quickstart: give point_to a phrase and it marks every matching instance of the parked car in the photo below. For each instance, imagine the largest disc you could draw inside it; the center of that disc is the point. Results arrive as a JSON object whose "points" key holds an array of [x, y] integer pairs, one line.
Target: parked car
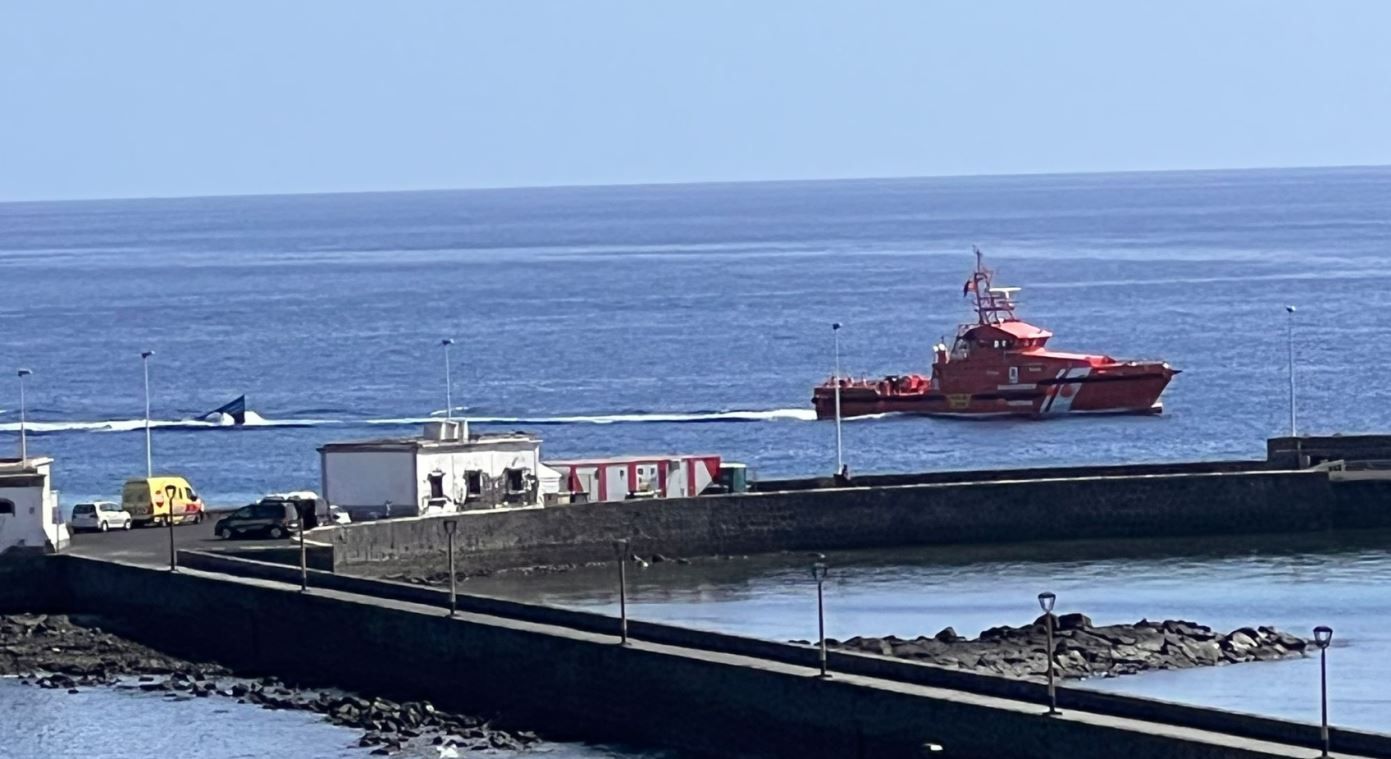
{"points": [[271, 518], [315, 510], [100, 517]]}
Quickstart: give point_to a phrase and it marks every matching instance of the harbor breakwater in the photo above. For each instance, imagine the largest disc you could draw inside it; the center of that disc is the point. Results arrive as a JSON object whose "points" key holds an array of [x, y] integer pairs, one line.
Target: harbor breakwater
{"points": [[1061, 508], [707, 693]]}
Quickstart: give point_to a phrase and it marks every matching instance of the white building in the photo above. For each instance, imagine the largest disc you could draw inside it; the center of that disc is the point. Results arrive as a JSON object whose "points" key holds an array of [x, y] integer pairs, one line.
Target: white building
{"points": [[446, 469], [29, 515]]}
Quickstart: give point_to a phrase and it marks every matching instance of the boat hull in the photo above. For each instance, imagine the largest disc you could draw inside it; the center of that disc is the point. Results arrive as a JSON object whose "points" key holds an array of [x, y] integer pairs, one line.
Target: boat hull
{"points": [[1133, 389]]}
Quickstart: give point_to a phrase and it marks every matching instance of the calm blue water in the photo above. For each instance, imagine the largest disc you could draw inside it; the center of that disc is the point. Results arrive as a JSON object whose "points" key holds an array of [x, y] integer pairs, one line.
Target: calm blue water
{"points": [[123, 724], [647, 302]]}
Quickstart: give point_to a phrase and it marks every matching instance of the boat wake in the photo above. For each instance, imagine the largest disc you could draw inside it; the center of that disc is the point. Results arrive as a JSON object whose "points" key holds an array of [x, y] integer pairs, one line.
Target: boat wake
{"points": [[694, 417], [256, 421]]}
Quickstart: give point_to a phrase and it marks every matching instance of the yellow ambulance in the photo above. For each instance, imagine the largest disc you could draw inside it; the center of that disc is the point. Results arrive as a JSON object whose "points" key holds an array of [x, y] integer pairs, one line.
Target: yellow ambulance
{"points": [[151, 501]]}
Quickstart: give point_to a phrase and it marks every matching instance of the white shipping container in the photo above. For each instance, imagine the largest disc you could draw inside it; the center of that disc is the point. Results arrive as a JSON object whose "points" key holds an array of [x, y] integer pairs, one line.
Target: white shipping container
{"points": [[616, 479]]}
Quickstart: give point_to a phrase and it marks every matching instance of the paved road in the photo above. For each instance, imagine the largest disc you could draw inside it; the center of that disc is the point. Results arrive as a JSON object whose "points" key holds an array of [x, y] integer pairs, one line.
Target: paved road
{"points": [[150, 545]]}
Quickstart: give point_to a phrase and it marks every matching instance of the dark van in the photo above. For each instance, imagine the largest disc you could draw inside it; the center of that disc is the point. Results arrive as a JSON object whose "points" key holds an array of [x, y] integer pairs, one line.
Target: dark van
{"points": [[273, 519]]}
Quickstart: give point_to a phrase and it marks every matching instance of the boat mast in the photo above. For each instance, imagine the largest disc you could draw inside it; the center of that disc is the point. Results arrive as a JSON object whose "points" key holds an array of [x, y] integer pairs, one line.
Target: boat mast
{"points": [[993, 305]]}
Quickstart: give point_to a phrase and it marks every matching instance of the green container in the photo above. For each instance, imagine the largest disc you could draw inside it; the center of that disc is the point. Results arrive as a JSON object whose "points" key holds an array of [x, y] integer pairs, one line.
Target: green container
{"points": [[734, 477]]}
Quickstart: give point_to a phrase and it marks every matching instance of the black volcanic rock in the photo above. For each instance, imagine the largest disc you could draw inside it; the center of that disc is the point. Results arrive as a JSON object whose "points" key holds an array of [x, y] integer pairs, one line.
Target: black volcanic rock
{"points": [[1082, 650]]}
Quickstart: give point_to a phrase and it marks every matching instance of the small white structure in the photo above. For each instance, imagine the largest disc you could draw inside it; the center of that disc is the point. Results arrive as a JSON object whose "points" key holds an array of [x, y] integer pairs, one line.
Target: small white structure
{"points": [[29, 516], [444, 470], [617, 479]]}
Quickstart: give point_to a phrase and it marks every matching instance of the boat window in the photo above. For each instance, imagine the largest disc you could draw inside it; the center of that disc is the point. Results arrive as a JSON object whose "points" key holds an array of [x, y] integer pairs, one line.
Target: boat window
{"points": [[514, 480], [475, 482], [6, 506]]}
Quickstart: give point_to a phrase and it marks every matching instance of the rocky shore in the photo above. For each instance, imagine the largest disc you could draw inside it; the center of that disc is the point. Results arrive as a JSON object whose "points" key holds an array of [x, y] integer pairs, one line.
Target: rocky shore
{"points": [[73, 653], [1082, 650]]}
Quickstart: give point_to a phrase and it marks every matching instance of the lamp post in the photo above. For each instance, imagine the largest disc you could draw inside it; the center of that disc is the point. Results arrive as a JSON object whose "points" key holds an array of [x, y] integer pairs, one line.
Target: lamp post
{"points": [[448, 384], [1294, 429], [1323, 635], [1046, 602], [835, 340], [818, 573], [450, 526], [149, 460], [23, 442], [620, 547], [303, 551]]}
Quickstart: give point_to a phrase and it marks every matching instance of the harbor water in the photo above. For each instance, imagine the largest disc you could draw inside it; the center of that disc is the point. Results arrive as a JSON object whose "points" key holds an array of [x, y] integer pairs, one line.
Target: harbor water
{"points": [[679, 318], [123, 724]]}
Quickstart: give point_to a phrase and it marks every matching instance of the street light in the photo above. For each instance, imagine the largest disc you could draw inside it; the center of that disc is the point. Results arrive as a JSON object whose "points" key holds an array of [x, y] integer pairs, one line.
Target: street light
{"points": [[448, 384], [1046, 602], [303, 552], [450, 526], [1323, 635], [620, 548], [818, 573], [149, 461], [23, 442], [835, 339], [1290, 345]]}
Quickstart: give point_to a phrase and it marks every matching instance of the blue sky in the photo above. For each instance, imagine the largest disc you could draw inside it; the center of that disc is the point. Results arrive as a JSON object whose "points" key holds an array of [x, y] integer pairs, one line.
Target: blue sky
{"points": [[152, 98]]}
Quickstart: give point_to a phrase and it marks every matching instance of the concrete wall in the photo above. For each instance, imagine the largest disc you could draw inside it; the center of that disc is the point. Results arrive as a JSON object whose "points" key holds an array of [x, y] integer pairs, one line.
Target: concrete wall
{"points": [[582, 684], [1249, 726], [364, 481], [33, 583], [994, 475], [1362, 504], [1291, 452], [1143, 506]]}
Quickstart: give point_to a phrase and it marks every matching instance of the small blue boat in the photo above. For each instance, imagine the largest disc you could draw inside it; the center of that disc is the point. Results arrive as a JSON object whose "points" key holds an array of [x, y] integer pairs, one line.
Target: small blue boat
{"points": [[236, 409]]}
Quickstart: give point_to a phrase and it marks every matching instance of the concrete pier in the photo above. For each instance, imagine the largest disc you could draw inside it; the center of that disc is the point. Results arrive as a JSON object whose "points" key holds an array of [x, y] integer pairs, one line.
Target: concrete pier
{"points": [[563, 672], [995, 511]]}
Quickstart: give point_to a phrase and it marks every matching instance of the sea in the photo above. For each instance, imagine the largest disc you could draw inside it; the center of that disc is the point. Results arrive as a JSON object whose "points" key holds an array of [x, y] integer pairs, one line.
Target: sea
{"points": [[126, 724], [680, 318], [696, 319]]}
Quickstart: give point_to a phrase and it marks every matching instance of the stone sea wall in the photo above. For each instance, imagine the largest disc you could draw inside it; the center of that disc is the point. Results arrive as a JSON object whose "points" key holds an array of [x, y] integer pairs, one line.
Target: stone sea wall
{"points": [[724, 697], [1010, 511]]}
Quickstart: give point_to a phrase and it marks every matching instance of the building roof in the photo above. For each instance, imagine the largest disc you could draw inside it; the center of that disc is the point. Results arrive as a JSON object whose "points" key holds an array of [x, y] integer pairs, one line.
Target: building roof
{"points": [[1021, 330], [21, 474], [30, 465], [475, 441]]}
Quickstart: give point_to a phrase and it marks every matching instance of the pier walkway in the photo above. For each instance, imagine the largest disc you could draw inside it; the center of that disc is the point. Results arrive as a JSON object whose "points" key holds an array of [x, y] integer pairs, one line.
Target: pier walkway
{"points": [[702, 692]]}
